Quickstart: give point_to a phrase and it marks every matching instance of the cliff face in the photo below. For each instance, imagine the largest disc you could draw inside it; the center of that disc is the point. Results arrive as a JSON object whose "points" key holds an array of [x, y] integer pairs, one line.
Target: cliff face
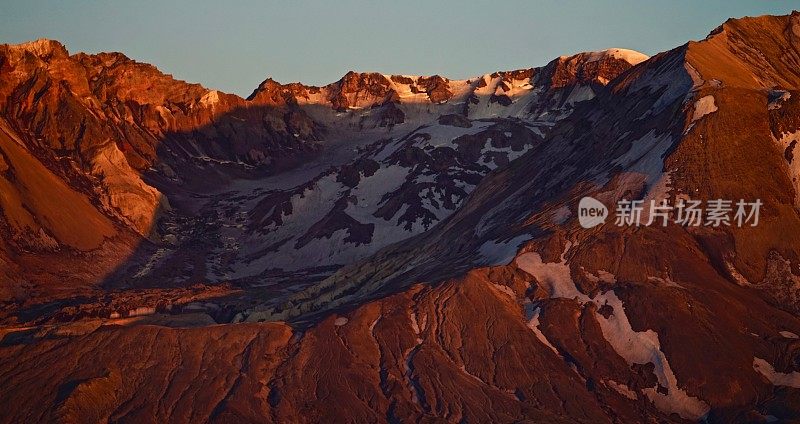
{"points": [[84, 137], [428, 264], [138, 151], [104, 119]]}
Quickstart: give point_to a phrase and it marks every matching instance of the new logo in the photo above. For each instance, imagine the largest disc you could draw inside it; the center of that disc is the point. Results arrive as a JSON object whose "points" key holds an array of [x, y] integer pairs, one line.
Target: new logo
{"points": [[591, 212]]}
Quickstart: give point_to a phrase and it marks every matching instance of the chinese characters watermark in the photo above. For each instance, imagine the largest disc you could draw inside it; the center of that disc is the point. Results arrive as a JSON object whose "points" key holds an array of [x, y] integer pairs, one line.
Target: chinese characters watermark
{"points": [[685, 212]]}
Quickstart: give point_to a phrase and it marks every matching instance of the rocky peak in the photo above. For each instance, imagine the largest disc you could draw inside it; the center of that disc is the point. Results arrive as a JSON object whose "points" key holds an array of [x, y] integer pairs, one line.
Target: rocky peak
{"points": [[368, 89], [437, 88], [519, 74], [589, 67], [271, 92], [372, 82], [42, 48], [103, 59], [354, 90], [360, 89], [752, 52]]}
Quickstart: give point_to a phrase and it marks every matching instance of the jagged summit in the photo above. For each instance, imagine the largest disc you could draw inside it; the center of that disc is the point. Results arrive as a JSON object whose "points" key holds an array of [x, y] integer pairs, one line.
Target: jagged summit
{"points": [[41, 47], [364, 89], [631, 56], [399, 248], [751, 52]]}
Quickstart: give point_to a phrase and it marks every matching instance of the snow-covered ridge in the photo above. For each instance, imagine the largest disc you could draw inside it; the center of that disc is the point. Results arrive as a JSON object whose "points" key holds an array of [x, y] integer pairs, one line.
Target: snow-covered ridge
{"points": [[366, 89], [631, 56], [418, 146]]}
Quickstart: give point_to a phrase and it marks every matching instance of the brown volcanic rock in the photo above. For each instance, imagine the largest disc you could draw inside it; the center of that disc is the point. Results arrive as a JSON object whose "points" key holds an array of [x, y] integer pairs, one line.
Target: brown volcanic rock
{"points": [[79, 131], [272, 92], [454, 120], [751, 52], [519, 74], [391, 115], [34, 220], [436, 87], [585, 68], [197, 374], [736, 70], [426, 353], [610, 324], [417, 355], [355, 89], [373, 90], [691, 314], [113, 117]]}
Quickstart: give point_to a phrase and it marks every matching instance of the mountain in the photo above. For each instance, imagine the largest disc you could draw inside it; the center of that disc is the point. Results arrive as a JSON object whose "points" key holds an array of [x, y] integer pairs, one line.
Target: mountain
{"points": [[402, 248], [160, 158]]}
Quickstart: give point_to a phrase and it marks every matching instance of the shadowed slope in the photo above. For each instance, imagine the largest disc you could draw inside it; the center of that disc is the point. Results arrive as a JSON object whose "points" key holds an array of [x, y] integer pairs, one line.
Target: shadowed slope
{"points": [[509, 310]]}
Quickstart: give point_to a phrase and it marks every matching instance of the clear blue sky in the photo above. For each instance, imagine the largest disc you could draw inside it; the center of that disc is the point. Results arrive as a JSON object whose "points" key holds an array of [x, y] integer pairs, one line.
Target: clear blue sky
{"points": [[234, 47]]}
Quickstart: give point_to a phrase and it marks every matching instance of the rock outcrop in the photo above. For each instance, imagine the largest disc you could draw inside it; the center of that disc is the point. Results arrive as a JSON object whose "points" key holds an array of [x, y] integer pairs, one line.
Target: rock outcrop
{"points": [[435, 271]]}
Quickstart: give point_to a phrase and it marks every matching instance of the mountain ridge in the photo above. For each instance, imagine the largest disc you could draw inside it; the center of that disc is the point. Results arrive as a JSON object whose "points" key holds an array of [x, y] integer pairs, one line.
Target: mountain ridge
{"points": [[428, 263], [172, 138]]}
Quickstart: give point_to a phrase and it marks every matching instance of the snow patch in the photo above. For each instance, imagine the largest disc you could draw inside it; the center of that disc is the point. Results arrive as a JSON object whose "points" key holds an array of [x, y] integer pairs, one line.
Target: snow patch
{"points": [[666, 282], [579, 93], [414, 323], [141, 311], [210, 99], [374, 323], [789, 144], [463, 369], [738, 278], [639, 347], [791, 379], [554, 277], [645, 158], [703, 107], [631, 56], [622, 389], [777, 98], [532, 315], [602, 276], [561, 215], [506, 290]]}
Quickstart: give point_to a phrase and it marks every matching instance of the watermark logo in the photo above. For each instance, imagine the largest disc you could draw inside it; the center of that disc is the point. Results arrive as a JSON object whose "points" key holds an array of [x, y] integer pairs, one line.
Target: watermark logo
{"points": [[685, 212], [591, 212]]}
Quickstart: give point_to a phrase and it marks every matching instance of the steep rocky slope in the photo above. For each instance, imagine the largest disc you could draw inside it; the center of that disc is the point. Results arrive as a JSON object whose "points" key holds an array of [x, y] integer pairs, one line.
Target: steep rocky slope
{"points": [[159, 158], [496, 306], [393, 180], [106, 117], [90, 143]]}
